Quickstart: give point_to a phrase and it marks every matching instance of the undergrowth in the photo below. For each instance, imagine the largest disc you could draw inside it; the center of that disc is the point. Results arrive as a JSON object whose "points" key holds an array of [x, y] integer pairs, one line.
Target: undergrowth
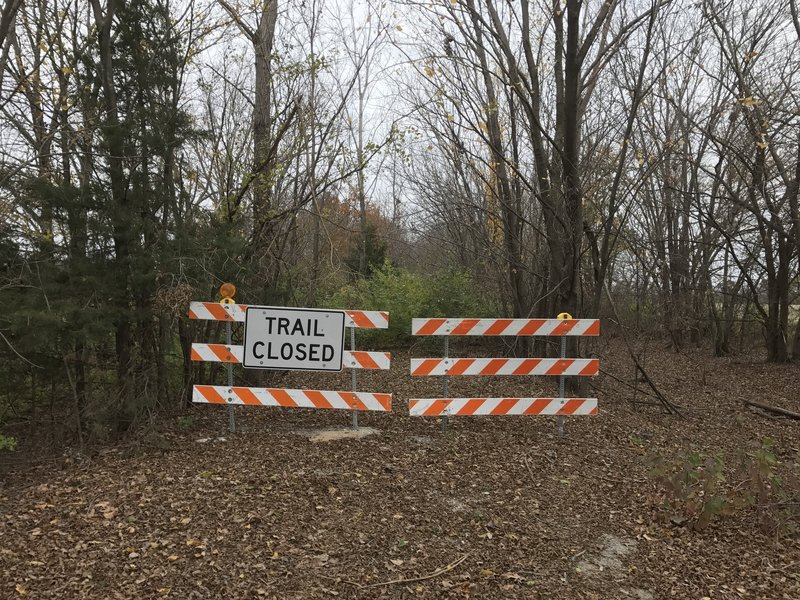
{"points": [[695, 490], [7, 442]]}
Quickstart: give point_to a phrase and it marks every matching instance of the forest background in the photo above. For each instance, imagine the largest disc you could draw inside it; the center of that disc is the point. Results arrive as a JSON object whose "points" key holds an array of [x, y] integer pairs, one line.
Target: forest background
{"points": [[633, 160]]}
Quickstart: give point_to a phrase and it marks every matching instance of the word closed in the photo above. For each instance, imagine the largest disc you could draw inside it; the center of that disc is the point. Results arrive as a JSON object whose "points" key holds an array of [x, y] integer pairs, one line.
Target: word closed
{"points": [[296, 339]]}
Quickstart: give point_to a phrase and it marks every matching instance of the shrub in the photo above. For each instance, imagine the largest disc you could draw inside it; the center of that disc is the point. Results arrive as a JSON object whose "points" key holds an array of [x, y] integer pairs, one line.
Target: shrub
{"points": [[694, 490], [775, 498], [7, 442], [406, 295]]}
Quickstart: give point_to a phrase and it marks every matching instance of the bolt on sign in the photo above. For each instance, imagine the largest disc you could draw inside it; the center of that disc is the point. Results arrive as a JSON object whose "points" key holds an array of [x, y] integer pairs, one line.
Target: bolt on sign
{"points": [[295, 339]]}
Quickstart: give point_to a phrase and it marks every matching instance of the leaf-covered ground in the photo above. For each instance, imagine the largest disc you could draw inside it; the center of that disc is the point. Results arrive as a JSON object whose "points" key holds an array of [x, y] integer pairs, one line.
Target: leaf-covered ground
{"points": [[498, 507]]}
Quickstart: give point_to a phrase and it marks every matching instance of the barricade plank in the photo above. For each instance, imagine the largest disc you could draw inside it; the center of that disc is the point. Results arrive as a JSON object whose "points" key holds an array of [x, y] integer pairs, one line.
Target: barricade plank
{"points": [[221, 394], [497, 327], [433, 407], [214, 311], [585, 367], [359, 359]]}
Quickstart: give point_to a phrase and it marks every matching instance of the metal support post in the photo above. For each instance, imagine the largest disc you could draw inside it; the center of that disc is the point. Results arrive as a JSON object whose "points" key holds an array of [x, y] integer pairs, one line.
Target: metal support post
{"points": [[353, 373], [445, 381], [561, 381], [231, 414]]}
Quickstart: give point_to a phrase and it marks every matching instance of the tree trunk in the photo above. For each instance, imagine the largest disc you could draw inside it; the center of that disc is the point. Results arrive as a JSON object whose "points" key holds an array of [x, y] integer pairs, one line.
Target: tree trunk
{"points": [[122, 219], [262, 122]]}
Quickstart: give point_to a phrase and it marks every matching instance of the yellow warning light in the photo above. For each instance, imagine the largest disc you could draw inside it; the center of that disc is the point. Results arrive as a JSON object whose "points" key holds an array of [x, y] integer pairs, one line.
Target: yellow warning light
{"points": [[227, 290], [564, 316]]}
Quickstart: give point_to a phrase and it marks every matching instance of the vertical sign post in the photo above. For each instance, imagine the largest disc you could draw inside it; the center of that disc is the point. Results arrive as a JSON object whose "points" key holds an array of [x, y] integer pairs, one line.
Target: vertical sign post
{"points": [[228, 291], [353, 373], [562, 378], [229, 366], [445, 381]]}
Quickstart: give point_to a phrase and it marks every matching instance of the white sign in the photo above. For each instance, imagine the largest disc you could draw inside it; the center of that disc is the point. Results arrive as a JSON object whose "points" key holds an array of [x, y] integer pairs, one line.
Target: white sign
{"points": [[293, 339]]}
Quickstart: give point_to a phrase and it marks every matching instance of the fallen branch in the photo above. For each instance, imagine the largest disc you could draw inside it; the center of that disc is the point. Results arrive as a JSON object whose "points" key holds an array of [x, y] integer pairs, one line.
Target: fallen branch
{"points": [[436, 573], [784, 569], [774, 409], [530, 470], [669, 407], [623, 382]]}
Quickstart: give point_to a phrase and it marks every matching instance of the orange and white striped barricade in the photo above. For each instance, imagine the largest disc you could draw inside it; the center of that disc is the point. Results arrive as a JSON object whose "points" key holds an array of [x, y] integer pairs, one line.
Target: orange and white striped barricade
{"points": [[231, 354], [562, 367]]}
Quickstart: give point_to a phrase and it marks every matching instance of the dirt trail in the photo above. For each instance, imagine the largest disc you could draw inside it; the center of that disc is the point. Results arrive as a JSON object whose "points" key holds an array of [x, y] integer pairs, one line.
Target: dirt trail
{"points": [[496, 508]]}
